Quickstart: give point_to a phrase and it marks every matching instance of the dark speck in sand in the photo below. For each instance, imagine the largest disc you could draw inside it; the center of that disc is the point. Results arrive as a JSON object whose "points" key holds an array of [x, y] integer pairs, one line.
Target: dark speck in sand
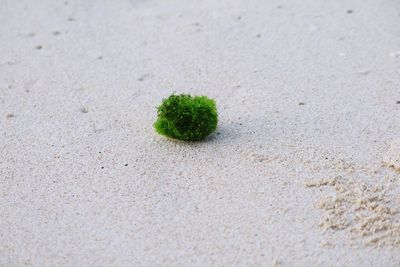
{"points": [[84, 109], [302, 104], [9, 116], [398, 102], [39, 47], [144, 77], [56, 33], [349, 11]]}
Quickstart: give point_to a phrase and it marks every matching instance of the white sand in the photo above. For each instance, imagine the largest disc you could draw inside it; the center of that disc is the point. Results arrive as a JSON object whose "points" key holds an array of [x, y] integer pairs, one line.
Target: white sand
{"points": [[79, 82]]}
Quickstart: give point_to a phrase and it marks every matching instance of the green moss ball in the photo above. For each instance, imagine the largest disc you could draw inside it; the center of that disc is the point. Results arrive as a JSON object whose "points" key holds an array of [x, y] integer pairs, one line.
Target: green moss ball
{"points": [[185, 117]]}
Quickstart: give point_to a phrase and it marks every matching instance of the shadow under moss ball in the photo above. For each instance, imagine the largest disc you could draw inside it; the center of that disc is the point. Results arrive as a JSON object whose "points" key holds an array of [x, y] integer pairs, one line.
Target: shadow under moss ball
{"points": [[186, 118]]}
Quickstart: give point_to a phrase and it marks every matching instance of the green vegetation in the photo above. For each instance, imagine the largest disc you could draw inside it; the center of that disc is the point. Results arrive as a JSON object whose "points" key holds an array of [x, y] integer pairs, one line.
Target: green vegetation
{"points": [[186, 118]]}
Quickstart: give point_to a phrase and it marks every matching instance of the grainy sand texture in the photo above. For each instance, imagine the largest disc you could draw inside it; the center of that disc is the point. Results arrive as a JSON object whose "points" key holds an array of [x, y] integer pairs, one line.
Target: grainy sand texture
{"points": [[303, 169]]}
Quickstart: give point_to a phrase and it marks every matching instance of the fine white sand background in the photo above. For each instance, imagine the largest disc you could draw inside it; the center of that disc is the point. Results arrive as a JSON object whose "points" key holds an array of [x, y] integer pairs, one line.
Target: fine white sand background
{"points": [[297, 173]]}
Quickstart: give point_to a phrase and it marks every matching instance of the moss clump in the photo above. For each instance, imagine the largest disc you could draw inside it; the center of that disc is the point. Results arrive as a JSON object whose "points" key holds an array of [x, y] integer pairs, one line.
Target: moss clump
{"points": [[186, 118]]}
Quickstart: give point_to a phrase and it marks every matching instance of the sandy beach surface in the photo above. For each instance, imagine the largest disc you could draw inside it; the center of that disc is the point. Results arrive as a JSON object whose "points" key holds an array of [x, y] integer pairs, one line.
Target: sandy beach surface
{"points": [[300, 172]]}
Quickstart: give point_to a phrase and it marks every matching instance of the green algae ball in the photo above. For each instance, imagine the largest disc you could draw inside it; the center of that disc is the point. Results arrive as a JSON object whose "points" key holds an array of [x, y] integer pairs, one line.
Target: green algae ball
{"points": [[185, 117]]}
